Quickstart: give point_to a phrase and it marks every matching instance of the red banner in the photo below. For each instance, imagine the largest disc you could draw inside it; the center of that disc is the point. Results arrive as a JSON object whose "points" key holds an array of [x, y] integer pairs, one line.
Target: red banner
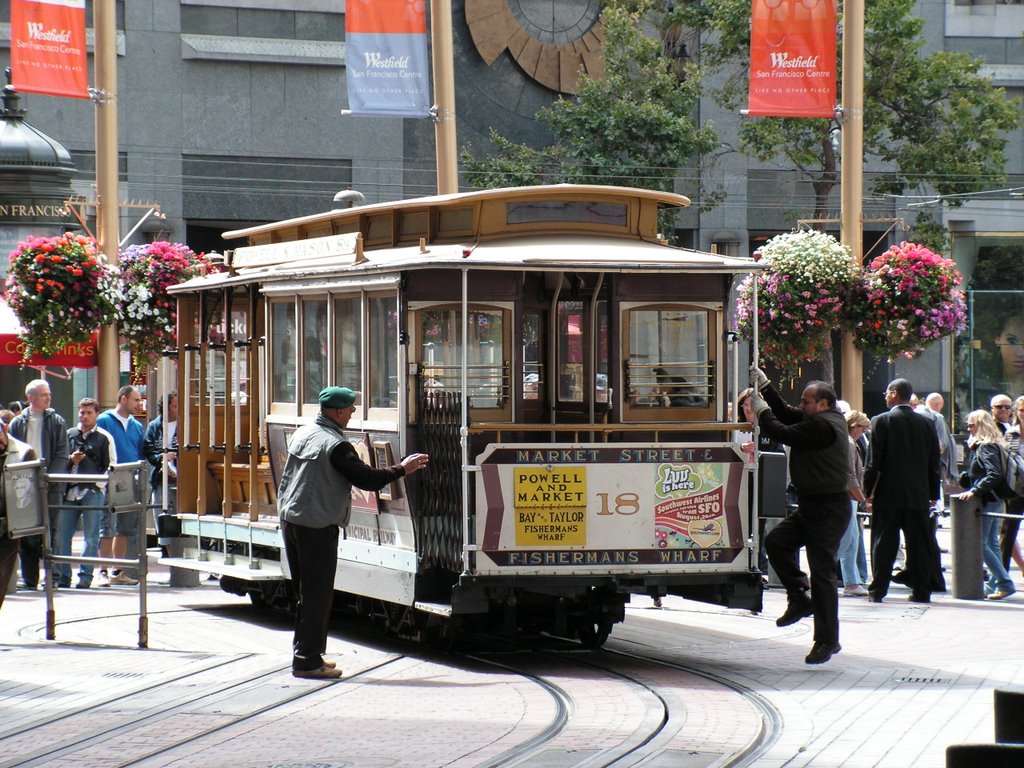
{"points": [[75, 355], [48, 47], [793, 58]]}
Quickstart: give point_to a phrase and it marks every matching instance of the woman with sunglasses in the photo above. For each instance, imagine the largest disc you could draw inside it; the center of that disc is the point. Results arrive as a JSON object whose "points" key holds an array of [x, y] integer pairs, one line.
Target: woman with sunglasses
{"points": [[983, 474]]}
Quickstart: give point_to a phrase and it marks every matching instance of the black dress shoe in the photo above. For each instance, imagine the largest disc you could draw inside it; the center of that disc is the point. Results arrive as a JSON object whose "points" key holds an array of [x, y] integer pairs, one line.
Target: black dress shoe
{"points": [[901, 577], [919, 597], [800, 607], [874, 597], [822, 652]]}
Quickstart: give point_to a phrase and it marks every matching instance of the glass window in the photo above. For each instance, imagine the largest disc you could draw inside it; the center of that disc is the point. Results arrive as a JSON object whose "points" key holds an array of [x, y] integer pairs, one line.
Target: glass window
{"points": [[440, 333], [348, 346], [613, 214], [314, 349], [282, 351], [383, 316], [533, 364], [570, 351], [668, 358]]}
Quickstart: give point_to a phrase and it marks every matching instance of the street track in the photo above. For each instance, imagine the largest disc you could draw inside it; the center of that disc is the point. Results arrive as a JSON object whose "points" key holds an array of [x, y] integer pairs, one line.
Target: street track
{"points": [[579, 707], [648, 708]]}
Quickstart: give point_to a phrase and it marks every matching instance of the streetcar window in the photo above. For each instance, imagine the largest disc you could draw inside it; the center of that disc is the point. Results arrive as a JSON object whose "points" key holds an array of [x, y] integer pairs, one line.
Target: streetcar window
{"points": [[533, 365], [611, 214], [348, 348], [570, 351], [573, 341], [283, 344], [314, 349], [383, 313], [668, 363], [440, 334]]}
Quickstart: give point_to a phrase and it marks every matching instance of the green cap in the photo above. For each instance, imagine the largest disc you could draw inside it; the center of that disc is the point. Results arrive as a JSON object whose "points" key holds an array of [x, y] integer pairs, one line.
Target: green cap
{"points": [[336, 397]]}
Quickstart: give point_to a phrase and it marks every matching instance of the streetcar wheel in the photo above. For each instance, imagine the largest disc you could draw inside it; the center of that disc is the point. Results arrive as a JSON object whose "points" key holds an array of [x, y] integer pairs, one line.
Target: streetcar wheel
{"points": [[592, 634]]}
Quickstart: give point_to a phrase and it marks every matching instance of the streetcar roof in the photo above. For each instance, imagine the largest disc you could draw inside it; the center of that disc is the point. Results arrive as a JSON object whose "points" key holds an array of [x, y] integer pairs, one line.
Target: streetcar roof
{"points": [[542, 253], [512, 194]]}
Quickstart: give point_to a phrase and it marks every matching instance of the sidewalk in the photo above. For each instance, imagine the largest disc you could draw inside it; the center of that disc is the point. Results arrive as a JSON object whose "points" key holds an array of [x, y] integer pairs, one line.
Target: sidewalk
{"points": [[910, 680]]}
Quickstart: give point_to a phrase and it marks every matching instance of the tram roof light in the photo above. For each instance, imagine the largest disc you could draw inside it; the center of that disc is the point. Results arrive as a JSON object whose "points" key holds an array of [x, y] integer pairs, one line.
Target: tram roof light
{"points": [[351, 197]]}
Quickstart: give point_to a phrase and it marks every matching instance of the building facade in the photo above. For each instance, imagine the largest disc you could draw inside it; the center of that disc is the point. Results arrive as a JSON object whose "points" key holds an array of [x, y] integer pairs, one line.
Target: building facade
{"points": [[230, 114]]}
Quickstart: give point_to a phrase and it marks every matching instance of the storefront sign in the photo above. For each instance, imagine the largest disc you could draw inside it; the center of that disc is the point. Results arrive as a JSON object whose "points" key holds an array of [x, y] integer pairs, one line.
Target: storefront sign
{"points": [[75, 355]]}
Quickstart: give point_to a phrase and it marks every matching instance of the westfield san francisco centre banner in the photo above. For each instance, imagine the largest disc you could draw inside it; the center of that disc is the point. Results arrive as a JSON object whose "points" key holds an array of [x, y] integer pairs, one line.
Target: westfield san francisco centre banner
{"points": [[793, 58], [386, 57], [48, 47]]}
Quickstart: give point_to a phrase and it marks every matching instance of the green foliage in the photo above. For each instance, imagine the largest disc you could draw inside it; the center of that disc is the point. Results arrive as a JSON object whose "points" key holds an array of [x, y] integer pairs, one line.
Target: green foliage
{"points": [[633, 127], [930, 119]]}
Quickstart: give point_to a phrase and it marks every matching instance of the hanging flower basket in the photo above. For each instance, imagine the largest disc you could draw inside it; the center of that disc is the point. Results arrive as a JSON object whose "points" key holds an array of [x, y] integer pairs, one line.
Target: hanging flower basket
{"points": [[907, 300], [800, 296], [61, 291], [149, 315]]}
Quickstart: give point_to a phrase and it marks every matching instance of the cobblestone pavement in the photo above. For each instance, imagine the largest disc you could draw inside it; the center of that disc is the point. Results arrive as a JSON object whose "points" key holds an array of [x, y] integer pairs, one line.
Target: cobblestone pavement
{"points": [[910, 680]]}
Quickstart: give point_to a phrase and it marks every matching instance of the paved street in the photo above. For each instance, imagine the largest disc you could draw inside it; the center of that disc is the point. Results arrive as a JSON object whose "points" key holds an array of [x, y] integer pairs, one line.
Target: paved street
{"points": [[910, 680]]}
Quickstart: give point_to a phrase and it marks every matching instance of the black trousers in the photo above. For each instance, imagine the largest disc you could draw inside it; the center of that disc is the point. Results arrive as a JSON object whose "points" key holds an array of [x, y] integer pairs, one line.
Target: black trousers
{"points": [[922, 549], [818, 524], [1008, 530], [312, 555], [8, 562]]}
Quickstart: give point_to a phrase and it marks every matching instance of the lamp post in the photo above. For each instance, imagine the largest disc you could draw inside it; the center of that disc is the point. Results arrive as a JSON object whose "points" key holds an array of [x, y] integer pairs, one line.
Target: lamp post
{"points": [[108, 205], [851, 179]]}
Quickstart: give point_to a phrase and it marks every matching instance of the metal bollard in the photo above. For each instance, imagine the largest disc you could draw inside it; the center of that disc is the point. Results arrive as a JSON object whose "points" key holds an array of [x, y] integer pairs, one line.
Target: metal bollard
{"points": [[181, 577], [1009, 716], [965, 527], [985, 755]]}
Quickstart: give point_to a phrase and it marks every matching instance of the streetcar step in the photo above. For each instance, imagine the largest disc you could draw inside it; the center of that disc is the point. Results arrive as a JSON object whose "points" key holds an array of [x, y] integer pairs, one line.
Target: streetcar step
{"points": [[267, 570]]}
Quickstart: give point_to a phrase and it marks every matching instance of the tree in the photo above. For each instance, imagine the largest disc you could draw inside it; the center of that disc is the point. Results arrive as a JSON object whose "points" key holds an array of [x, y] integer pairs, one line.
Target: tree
{"points": [[929, 120], [633, 127]]}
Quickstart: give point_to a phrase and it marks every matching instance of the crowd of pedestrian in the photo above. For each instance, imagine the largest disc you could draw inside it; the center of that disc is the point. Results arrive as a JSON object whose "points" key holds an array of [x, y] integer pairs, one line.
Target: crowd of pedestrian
{"points": [[91, 446], [898, 468]]}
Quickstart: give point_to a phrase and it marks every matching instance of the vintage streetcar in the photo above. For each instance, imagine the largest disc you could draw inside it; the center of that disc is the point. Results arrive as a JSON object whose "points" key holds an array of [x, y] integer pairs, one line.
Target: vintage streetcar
{"points": [[568, 372]]}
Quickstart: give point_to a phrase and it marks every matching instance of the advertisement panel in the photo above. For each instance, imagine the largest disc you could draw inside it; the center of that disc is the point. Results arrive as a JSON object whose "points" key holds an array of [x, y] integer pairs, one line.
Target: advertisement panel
{"points": [[48, 51], [608, 509], [386, 64], [793, 58]]}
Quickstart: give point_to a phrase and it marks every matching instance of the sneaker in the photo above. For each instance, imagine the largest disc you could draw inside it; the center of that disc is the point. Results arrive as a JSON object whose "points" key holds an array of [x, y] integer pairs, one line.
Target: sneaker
{"points": [[999, 594], [102, 580], [320, 673], [123, 579], [800, 607], [83, 585], [657, 602], [855, 591], [822, 652]]}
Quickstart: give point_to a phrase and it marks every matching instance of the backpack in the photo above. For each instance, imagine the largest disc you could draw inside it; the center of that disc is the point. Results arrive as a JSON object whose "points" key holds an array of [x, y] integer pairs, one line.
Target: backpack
{"points": [[1012, 486]]}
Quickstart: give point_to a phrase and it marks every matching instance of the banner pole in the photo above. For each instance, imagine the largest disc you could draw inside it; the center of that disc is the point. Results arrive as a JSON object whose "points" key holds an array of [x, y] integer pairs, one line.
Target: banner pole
{"points": [[444, 96], [851, 180], [108, 205]]}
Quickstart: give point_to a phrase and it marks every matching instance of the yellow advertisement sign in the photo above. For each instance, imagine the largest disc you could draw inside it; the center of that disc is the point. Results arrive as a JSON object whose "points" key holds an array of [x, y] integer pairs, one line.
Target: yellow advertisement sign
{"points": [[550, 506]]}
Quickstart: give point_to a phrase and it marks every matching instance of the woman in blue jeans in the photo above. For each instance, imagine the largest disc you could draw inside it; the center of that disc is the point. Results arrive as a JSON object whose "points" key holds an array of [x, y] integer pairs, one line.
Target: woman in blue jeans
{"points": [[854, 579], [983, 475]]}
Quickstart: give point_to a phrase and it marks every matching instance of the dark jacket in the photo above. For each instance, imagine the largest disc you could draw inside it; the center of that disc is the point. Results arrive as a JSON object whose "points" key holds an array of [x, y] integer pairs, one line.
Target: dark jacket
{"points": [[153, 450], [985, 470], [902, 470], [54, 445], [95, 444], [819, 456]]}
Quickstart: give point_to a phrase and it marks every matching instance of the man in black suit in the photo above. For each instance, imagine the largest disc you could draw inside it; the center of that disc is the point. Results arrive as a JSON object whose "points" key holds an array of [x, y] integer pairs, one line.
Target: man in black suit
{"points": [[819, 466], [902, 481]]}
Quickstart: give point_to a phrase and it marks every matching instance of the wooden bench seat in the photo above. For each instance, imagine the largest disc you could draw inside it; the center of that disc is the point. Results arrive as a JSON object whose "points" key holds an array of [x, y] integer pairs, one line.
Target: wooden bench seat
{"points": [[265, 494]]}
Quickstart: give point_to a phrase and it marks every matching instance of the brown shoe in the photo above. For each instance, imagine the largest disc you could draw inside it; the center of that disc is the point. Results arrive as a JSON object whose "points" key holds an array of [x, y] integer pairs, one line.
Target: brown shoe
{"points": [[330, 664], [320, 673]]}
